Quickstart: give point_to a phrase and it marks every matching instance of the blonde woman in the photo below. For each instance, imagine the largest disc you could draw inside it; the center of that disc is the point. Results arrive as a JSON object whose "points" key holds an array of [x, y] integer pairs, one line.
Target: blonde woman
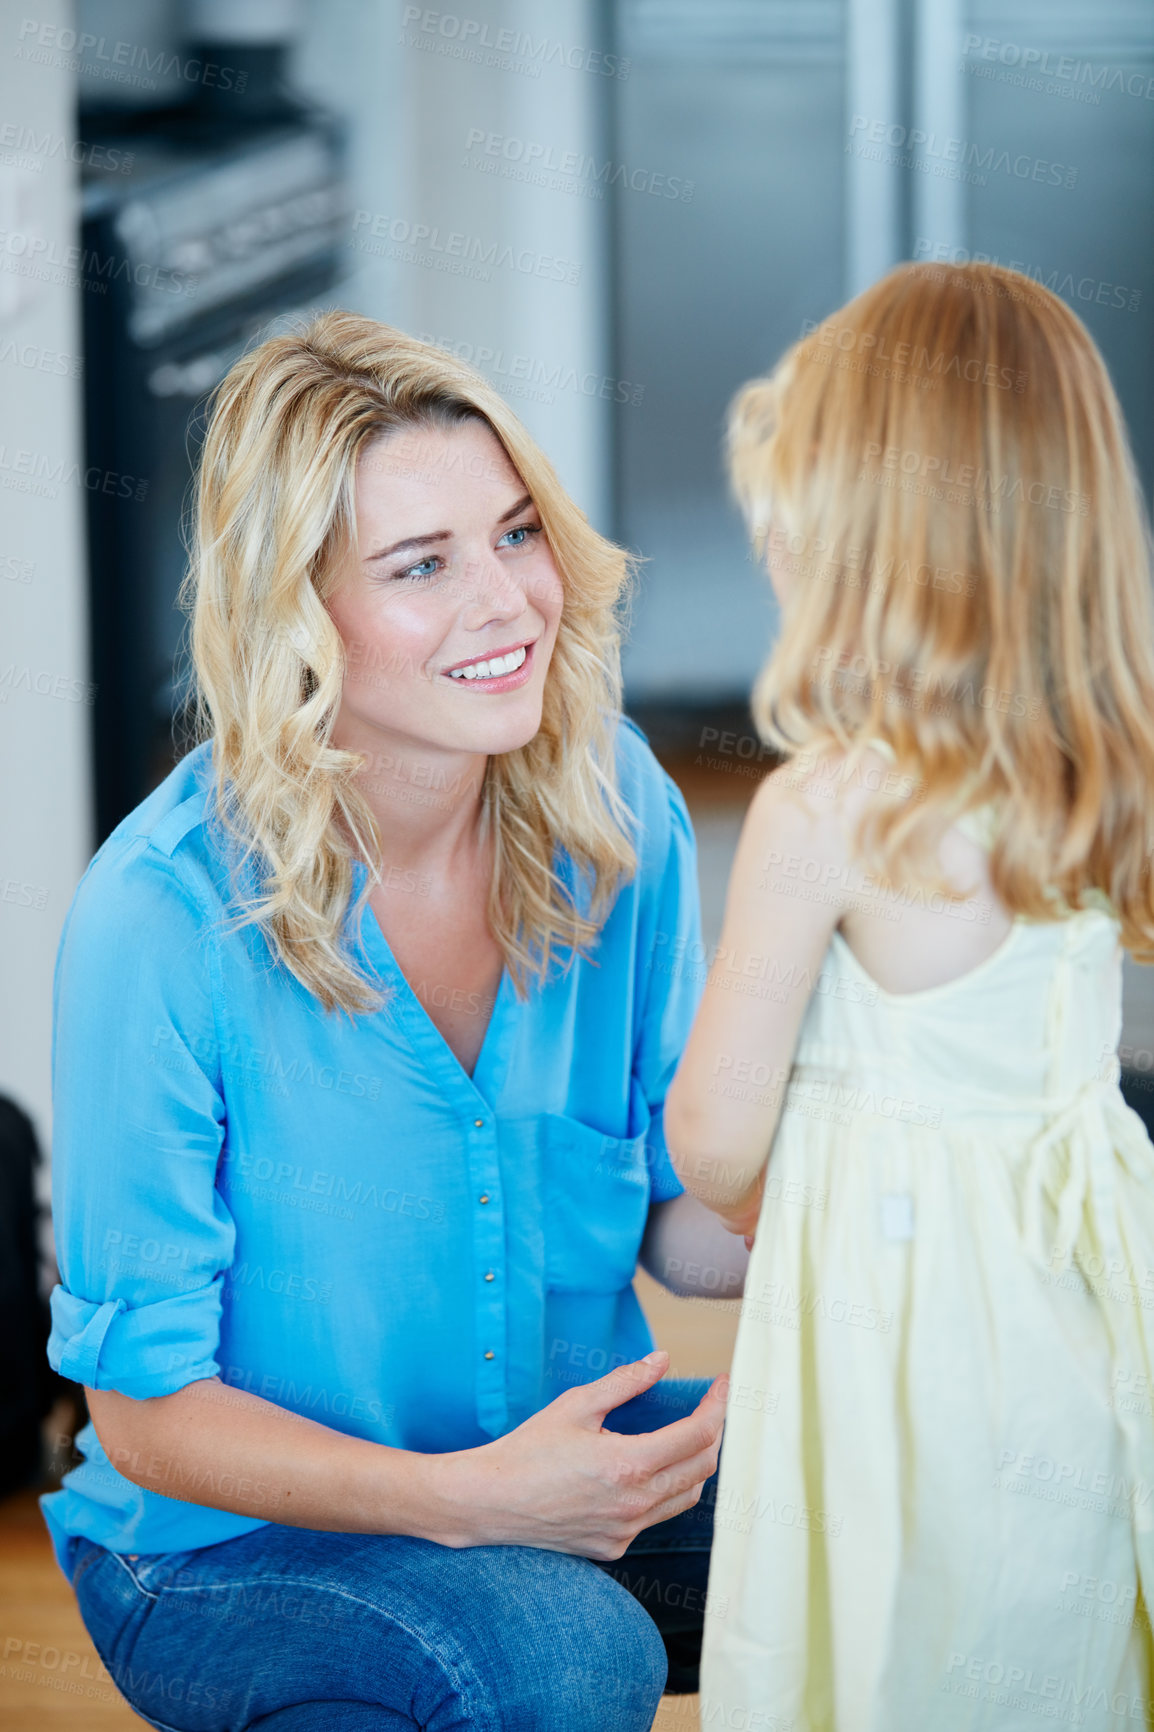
{"points": [[360, 1059], [940, 1514]]}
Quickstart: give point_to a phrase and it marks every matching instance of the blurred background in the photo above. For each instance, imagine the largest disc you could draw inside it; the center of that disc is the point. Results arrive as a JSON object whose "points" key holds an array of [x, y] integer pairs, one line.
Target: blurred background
{"points": [[618, 210]]}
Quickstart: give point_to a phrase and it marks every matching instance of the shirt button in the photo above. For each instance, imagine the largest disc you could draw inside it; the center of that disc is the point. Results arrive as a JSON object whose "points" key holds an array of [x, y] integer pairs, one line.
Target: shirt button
{"points": [[484, 1197], [478, 1123], [490, 1354], [488, 1274]]}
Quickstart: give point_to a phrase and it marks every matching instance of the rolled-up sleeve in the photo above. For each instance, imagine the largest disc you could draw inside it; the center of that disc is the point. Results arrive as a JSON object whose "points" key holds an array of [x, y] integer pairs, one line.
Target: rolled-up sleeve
{"points": [[142, 1235], [675, 976]]}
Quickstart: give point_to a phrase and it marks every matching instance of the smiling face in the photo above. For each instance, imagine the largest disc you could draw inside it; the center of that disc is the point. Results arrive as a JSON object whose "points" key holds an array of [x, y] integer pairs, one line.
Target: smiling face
{"points": [[453, 570]]}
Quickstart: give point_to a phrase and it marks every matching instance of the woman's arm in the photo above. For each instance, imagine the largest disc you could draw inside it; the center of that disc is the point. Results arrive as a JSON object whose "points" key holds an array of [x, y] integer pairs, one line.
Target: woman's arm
{"points": [[559, 1481], [689, 1250], [790, 885]]}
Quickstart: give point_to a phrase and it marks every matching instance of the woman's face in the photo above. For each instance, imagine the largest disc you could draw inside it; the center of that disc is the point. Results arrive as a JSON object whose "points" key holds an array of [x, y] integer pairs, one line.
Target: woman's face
{"points": [[452, 570]]}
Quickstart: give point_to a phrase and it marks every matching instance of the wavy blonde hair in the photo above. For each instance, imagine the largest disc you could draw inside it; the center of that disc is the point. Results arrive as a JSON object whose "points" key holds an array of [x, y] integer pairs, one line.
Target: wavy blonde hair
{"points": [[941, 473], [274, 512]]}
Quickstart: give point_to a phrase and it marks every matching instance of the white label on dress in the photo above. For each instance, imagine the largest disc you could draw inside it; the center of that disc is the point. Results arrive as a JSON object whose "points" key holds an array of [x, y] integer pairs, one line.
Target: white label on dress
{"points": [[898, 1216]]}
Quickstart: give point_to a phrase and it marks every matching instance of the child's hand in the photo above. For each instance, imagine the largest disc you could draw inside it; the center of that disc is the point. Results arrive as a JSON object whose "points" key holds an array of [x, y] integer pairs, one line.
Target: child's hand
{"points": [[742, 1218]]}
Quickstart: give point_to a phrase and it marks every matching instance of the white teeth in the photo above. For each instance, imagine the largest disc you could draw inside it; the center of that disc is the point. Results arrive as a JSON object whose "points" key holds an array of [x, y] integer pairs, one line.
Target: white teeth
{"points": [[490, 670]]}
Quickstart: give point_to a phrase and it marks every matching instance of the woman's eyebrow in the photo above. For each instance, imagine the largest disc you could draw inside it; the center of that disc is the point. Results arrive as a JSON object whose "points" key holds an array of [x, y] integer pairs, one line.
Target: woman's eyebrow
{"points": [[413, 541], [516, 510], [446, 534]]}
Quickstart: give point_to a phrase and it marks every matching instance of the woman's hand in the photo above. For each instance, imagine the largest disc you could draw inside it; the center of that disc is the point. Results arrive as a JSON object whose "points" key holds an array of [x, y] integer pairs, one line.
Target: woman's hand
{"points": [[563, 1483]]}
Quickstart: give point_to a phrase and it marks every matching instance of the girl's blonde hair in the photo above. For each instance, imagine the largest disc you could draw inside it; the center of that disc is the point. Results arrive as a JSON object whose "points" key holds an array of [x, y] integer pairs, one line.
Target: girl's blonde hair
{"points": [[941, 473], [274, 512]]}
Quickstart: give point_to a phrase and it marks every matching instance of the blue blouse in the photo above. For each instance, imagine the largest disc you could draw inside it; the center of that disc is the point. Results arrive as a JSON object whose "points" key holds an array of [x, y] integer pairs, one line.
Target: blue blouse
{"points": [[328, 1211]]}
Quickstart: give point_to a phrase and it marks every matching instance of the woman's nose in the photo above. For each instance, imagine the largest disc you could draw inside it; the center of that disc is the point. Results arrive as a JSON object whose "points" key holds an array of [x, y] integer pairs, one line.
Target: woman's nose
{"points": [[491, 586]]}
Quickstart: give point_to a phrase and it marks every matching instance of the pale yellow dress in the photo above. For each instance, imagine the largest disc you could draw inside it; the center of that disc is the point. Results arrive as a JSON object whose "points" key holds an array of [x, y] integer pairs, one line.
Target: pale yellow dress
{"points": [[936, 1496]]}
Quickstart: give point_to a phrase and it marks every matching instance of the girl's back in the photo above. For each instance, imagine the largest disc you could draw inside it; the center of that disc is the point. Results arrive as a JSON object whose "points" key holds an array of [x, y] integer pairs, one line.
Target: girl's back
{"points": [[937, 1488], [936, 1497], [959, 1000]]}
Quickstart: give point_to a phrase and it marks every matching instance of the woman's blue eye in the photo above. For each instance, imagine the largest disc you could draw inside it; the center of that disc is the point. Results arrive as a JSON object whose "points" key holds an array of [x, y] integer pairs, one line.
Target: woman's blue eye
{"points": [[423, 568], [427, 568], [524, 530]]}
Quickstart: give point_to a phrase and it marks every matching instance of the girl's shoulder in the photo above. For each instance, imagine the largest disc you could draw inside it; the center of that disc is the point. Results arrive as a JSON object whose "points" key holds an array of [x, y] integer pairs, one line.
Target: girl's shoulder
{"points": [[846, 781], [797, 832], [819, 795]]}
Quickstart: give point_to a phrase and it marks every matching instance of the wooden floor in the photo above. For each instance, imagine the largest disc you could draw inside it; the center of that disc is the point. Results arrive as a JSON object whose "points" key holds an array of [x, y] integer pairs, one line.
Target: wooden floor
{"points": [[50, 1674]]}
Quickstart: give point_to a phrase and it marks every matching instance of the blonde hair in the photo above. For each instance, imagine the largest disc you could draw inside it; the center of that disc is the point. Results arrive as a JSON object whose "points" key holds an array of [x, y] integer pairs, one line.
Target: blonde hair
{"points": [[275, 509], [942, 470]]}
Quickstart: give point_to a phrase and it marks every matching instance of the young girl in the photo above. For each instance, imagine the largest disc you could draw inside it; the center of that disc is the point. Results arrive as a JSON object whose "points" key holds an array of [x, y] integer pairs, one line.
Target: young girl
{"points": [[936, 1500]]}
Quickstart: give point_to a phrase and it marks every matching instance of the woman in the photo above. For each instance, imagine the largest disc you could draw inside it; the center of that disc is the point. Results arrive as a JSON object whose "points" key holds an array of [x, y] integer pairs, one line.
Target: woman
{"points": [[359, 1064]]}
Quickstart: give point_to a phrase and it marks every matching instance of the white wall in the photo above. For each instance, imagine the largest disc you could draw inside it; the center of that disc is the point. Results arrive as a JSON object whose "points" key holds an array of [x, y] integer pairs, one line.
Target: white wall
{"points": [[415, 96], [45, 798]]}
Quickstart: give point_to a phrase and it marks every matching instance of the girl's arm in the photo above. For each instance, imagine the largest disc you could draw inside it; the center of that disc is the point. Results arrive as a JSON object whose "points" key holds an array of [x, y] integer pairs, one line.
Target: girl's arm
{"points": [[790, 885], [690, 1252]]}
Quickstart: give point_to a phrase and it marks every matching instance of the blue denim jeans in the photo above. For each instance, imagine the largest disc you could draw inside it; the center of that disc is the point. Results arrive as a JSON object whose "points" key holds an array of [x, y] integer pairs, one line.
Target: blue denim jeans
{"points": [[295, 1630]]}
